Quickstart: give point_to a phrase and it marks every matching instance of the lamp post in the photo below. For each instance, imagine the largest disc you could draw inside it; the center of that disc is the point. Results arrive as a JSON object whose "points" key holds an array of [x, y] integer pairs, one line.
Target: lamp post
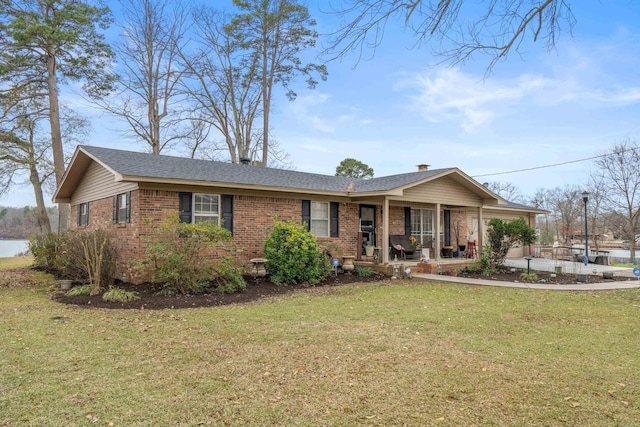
{"points": [[585, 199]]}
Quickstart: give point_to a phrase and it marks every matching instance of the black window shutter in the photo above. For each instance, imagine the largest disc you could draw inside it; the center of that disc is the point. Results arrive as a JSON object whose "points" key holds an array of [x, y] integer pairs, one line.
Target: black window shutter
{"points": [[227, 212], [128, 214], [306, 213], [333, 214], [185, 207], [407, 221], [447, 227], [87, 219], [115, 209], [79, 213]]}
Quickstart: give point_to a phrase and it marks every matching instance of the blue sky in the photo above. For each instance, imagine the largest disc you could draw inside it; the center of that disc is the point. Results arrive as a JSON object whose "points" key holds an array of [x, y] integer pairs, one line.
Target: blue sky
{"points": [[397, 110]]}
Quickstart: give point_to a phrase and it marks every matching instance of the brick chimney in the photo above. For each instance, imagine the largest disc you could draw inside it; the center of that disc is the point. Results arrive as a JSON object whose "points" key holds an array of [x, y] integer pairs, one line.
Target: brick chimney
{"points": [[423, 167]]}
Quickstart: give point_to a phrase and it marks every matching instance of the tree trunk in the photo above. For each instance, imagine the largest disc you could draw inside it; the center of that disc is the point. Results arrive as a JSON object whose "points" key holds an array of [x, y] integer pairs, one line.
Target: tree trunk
{"points": [[41, 211], [56, 136], [265, 115]]}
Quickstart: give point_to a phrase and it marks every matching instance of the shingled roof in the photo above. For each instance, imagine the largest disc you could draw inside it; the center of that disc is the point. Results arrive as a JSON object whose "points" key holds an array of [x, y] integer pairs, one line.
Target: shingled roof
{"points": [[140, 166], [130, 166]]}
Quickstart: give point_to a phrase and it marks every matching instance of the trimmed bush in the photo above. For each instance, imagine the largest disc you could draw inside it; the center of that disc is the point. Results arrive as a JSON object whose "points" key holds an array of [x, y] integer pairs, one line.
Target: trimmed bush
{"points": [[293, 255], [177, 255]]}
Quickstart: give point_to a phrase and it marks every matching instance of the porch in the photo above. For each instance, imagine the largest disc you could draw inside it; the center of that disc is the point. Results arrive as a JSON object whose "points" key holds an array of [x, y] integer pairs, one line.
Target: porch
{"points": [[433, 266]]}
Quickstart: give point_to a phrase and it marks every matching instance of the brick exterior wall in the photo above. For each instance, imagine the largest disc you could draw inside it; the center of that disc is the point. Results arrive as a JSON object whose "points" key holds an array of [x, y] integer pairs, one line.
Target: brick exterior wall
{"points": [[253, 218]]}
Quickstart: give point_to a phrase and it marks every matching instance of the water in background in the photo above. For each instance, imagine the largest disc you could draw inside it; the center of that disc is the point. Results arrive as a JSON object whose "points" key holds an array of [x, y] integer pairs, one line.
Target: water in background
{"points": [[9, 248]]}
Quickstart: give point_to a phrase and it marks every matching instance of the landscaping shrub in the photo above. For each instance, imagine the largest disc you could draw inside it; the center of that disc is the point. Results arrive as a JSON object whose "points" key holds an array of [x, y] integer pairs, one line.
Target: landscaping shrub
{"points": [[49, 251], [119, 295], [77, 291], [95, 253], [503, 235], [177, 255], [528, 276], [364, 271], [229, 278], [78, 255], [293, 255]]}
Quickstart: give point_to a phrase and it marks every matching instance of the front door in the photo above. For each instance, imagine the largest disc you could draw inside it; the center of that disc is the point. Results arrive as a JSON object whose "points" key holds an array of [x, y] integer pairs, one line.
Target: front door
{"points": [[368, 225]]}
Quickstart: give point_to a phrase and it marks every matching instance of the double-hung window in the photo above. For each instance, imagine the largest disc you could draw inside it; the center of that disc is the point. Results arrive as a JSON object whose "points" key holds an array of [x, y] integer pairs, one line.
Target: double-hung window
{"points": [[83, 214], [320, 219], [122, 208], [206, 207]]}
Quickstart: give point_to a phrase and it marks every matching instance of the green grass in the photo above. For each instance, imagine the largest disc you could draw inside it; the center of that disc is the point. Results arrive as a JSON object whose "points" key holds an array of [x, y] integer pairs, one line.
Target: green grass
{"points": [[406, 353], [617, 264], [15, 262]]}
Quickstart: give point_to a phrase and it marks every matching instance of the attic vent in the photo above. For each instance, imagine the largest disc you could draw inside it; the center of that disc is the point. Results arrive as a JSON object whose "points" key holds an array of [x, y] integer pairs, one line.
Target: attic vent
{"points": [[245, 160], [423, 167]]}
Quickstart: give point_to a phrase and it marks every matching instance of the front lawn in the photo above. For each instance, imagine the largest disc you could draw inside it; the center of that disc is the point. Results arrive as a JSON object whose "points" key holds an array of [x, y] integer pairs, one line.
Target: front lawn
{"points": [[397, 353]]}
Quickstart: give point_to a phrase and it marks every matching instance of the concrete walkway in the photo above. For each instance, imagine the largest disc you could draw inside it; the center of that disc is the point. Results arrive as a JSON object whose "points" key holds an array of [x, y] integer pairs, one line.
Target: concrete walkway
{"points": [[625, 277], [544, 264]]}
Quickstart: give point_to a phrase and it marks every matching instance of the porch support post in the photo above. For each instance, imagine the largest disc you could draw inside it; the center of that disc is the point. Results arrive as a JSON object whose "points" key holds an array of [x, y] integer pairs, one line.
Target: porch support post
{"points": [[437, 232], [385, 231], [480, 230]]}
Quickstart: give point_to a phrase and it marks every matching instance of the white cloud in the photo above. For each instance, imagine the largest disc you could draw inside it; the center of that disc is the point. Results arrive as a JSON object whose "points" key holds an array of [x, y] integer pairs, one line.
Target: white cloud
{"points": [[449, 94], [304, 110]]}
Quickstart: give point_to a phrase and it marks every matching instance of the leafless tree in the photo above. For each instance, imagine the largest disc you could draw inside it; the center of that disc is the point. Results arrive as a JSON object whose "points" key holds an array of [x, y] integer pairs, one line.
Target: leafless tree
{"points": [[597, 218], [24, 154], [223, 85], [540, 201], [566, 203], [148, 99], [458, 28], [507, 191], [617, 172], [276, 32]]}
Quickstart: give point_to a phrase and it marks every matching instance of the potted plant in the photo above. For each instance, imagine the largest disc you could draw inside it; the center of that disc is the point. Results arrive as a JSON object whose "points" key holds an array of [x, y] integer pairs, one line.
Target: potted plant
{"points": [[368, 249]]}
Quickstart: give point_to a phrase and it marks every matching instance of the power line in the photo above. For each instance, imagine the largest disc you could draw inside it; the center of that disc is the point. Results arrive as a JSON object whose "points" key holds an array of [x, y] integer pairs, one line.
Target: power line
{"points": [[555, 164]]}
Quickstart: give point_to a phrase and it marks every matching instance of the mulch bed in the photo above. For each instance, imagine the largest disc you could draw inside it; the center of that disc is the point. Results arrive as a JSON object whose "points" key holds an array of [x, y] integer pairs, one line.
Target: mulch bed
{"points": [[257, 289], [506, 275]]}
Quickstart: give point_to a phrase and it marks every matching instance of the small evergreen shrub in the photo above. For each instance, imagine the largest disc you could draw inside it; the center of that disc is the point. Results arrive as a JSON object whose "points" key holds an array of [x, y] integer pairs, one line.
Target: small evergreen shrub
{"points": [[293, 255], [364, 271], [119, 295]]}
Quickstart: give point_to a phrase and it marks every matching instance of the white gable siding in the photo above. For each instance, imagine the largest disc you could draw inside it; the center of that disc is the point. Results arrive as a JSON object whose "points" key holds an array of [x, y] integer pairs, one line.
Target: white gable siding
{"points": [[99, 183], [443, 190]]}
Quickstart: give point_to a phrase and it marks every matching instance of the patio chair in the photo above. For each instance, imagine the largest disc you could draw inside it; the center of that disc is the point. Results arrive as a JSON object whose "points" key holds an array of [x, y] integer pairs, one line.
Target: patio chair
{"points": [[401, 246]]}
